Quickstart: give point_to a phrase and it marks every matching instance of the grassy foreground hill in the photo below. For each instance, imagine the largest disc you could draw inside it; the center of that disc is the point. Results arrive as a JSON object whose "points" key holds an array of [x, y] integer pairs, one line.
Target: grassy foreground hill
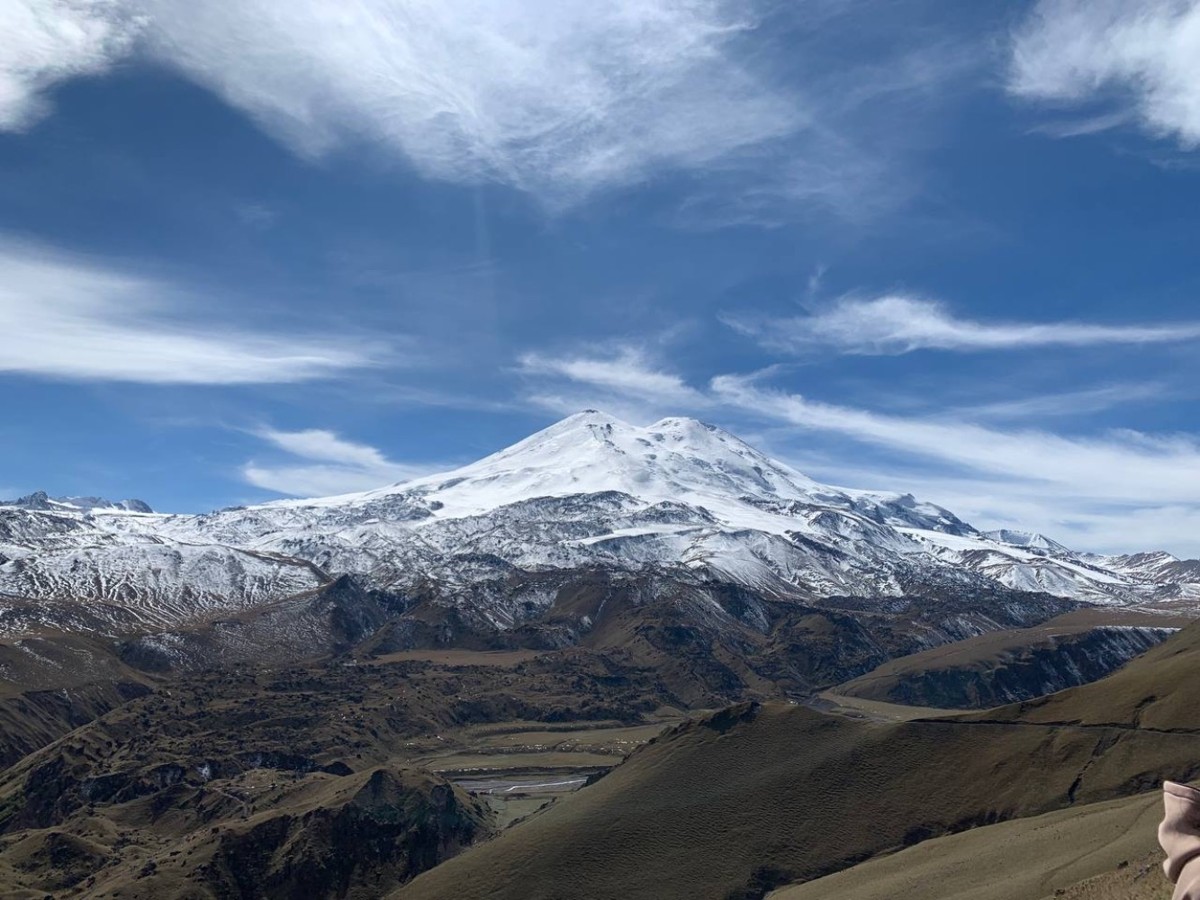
{"points": [[1053, 855], [1009, 666], [322, 835], [303, 783], [245, 782], [756, 797]]}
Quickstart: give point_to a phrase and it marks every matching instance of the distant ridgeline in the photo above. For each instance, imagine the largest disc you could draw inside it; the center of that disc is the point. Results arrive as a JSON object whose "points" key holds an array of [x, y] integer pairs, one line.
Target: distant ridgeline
{"points": [[41, 500]]}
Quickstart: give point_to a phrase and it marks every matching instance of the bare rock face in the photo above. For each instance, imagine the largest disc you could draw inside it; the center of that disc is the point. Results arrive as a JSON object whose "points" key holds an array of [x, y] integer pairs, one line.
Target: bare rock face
{"points": [[679, 497], [308, 832], [374, 833], [41, 500], [995, 676]]}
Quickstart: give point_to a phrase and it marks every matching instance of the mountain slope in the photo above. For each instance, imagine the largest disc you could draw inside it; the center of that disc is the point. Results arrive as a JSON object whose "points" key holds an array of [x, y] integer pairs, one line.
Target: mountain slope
{"points": [[1003, 667], [320, 835], [41, 500], [754, 798], [678, 498], [744, 803], [1027, 859]]}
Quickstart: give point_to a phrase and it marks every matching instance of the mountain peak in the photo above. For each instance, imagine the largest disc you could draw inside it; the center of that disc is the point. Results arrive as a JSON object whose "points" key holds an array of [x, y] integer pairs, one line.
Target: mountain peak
{"points": [[590, 452], [682, 425], [582, 421], [40, 500], [590, 417], [1028, 540], [587, 417], [597, 424]]}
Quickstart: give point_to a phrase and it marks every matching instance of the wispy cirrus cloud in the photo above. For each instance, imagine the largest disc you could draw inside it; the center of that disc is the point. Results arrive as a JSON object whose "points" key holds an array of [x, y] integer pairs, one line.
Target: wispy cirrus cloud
{"points": [[899, 324], [553, 97], [557, 98], [622, 379], [49, 41], [69, 317], [627, 371], [1080, 521], [329, 464], [1141, 57], [1114, 490], [1083, 402], [1122, 466]]}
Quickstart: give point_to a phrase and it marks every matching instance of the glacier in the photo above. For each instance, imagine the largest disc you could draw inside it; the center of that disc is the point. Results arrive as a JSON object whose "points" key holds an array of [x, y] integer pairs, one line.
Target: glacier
{"points": [[590, 491]]}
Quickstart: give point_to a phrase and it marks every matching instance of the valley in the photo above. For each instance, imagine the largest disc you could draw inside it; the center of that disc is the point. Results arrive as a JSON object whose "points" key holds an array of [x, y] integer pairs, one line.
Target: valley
{"points": [[559, 450], [802, 795], [634, 662], [189, 789], [170, 791]]}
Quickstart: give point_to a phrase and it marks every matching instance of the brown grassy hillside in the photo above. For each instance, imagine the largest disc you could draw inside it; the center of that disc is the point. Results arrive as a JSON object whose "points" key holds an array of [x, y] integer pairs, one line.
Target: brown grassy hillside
{"points": [[752, 799], [322, 835], [1006, 666], [228, 784], [1084, 851], [1160, 690]]}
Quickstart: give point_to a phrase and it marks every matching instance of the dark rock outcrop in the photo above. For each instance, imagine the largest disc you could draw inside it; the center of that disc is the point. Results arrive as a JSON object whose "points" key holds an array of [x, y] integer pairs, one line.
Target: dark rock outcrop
{"points": [[1008, 675]]}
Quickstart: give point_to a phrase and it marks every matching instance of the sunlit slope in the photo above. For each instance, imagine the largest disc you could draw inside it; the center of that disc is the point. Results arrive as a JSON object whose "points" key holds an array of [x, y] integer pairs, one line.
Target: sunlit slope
{"points": [[759, 797], [1160, 690], [737, 805], [1026, 859], [1008, 666]]}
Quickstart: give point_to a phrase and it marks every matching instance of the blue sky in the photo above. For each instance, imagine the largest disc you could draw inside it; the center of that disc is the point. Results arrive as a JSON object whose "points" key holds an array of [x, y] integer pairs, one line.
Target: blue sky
{"points": [[252, 250]]}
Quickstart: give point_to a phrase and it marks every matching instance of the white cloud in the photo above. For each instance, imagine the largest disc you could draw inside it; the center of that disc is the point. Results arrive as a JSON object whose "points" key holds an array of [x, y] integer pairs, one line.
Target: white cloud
{"points": [[552, 96], [48, 41], [622, 380], [558, 98], [1117, 491], [899, 324], [869, 120], [1079, 521], [1120, 467], [627, 372], [325, 445], [66, 317], [333, 465], [1081, 126], [1068, 403], [1143, 54]]}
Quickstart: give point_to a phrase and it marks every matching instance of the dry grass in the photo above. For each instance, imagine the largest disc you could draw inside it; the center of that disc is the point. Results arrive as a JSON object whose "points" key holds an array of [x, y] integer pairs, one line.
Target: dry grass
{"points": [[453, 658], [789, 794], [726, 807], [457, 764], [259, 734], [917, 676], [735, 806], [1094, 616], [876, 710], [1141, 879], [1158, 690], [1027, 859], [350, 836], [566, 736]]}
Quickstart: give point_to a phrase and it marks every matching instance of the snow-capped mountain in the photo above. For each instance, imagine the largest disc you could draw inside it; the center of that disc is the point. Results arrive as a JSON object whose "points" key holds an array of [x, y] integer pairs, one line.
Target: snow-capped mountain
{"points": [[588, 492], [107, 564], [40, 500]]}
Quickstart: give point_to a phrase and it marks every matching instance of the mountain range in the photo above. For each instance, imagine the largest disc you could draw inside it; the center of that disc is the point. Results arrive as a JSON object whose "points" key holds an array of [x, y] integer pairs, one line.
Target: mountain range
{"points": [[679, 498], [220, 704]]}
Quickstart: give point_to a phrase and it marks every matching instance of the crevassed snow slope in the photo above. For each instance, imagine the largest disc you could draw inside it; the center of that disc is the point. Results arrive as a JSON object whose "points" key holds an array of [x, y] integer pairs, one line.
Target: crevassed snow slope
{"points": [[589, 491], [593, 490]]}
